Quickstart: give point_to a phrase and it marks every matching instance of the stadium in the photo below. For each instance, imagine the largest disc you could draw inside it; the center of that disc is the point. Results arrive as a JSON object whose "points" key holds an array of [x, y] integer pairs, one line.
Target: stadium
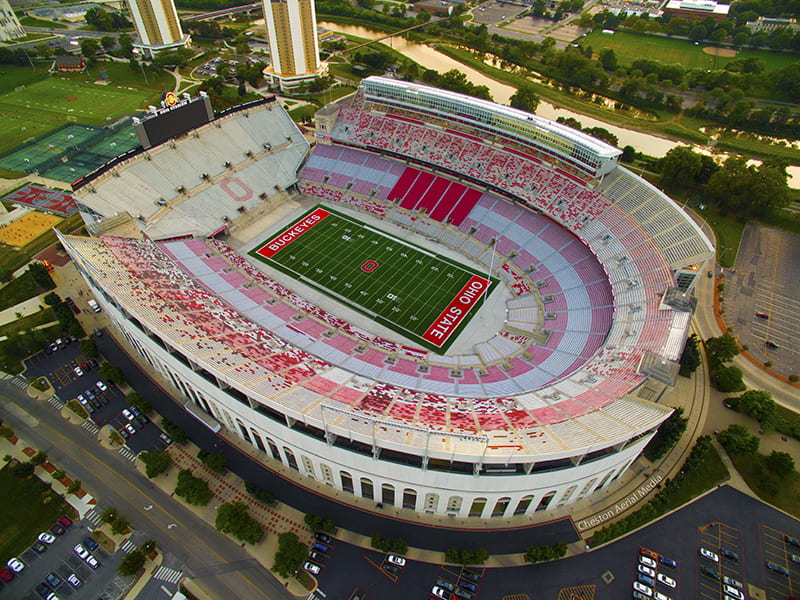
{"points": [[439, 303]]}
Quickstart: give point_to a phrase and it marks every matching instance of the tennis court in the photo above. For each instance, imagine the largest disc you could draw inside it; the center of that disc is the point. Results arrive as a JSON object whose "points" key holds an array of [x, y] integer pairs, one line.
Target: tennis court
{"points": [[421, 295]]}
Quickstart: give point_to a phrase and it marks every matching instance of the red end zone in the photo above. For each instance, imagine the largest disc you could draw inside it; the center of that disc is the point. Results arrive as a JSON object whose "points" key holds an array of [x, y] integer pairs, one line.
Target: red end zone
{"points": [[447, 322], [286, 237]]}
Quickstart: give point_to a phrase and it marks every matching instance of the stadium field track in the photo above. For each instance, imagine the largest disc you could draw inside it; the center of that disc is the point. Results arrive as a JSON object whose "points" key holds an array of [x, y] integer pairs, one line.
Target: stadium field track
{"points": [[400, 285]]}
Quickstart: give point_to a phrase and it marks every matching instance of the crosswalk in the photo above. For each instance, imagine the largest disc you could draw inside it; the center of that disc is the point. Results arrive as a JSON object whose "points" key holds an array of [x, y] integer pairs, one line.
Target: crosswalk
{"points": [[56, 401], [127, 454], [93, 517], [128, 546], [90, 427], [167, 574], [20, 382]]}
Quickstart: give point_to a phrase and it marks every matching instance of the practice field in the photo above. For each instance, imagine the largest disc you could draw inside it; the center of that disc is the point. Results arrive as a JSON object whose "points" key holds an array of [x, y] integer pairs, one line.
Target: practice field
{"points": [[27, 228], [421, 295], [30, 110], [630, 46]]}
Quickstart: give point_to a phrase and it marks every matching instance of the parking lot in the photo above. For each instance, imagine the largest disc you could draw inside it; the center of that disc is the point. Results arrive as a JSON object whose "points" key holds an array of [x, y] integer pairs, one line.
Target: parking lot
{"points": [[723, 542], [75, 376], [49, 569], [781, 555]]}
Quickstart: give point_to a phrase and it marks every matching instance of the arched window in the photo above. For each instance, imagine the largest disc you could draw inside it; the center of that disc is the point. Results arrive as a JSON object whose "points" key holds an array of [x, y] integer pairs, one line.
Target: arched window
{"points": [[290, 459], [410, 499], [387, 494], [523, 505], [545, 501], [367, 491], [476, 510], [500, 507], [347, 482]]}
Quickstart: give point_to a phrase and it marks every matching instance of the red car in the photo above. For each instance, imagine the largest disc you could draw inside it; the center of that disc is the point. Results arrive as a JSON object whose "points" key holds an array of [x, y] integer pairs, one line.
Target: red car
{"points": [[762, 315], [6, 575], [64, 521]]}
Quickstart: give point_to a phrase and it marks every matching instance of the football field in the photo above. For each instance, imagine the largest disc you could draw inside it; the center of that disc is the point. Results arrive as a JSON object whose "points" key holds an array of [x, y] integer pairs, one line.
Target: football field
{"points": [[424, 296]]}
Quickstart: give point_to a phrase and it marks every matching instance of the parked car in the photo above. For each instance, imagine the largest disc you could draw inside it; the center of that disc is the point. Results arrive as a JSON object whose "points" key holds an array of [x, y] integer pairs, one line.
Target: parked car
{"points": [[468, 585], [666, 580], [706, 553], [90, 544], [660, 596], [643, 589], [319, 547], [130, 428], [47, 538], [101, 386], [730, 581], [733, 592], [463, 594], [729, 554], [43, 590], [165, 438], [668, 562], [467, 574], [80, 551], [710, 573], [647, 552], [792, 541], [776, 568], [647, 561], [127, 414], [15, 564], [445, 584], [78, 371], [53, 579], [646, 570], [394, 569], [317, 557], [441, 593], [762, 315], [6, 575], [639, 596], [396, 560], [646, 579], [92, 561], [312, 568], [74, 581], [323, 537], [39, 547], [57, 529]]}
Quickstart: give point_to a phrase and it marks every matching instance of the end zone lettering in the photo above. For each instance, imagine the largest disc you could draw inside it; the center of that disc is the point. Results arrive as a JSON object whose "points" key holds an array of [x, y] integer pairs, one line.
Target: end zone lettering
{"points": [[287, 236], [447, 322]]}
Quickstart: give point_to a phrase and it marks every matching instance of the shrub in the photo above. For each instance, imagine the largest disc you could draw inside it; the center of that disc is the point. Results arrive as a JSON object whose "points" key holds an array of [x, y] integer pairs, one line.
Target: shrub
{"points": [[39, 458], [317, 523], [143, 405], [215, 462], [536, 554], [466, 557], [177, 434], [389, 545], [74, 486], [58, 474], [667, 435], [192, 489], [232, 518], [259, 494]]}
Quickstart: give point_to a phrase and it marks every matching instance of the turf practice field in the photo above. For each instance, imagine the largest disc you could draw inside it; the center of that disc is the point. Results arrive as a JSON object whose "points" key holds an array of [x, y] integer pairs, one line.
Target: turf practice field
{"points": [[425, 297]]}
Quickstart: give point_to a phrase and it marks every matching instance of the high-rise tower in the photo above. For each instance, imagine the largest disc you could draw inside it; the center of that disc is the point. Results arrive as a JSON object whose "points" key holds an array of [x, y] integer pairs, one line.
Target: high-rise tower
{"points": [[293, 44], [9, 24], [157, 25]]}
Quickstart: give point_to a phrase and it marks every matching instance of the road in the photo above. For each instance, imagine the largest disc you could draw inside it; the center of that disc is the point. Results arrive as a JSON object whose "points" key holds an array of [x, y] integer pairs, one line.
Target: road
{"points": [[221, 566]]}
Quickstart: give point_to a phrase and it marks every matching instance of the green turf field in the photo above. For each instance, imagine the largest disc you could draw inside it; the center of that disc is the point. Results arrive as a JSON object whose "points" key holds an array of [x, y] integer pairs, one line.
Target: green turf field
{"points": [[426, 297], [630, 46]]}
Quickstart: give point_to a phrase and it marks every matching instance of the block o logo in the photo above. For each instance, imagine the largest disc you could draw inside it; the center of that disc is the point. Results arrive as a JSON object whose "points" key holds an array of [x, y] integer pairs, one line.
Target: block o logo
{"points": [[369, 266]]}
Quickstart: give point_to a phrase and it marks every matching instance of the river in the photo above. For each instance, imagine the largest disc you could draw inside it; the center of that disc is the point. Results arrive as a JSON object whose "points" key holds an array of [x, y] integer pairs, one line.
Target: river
{"points": [[430, 58]]}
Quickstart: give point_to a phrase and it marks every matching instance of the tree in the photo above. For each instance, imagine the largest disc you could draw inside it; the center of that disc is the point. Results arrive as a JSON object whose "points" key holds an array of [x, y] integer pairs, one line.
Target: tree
{"points": [[290, 555], [759, 405], [681, 167], [112, 373], [317, 523], [690, 359], [723, 348], [52, 299], [120, 525], [535, 554], [89, 47], [108, 42], [780, 463], [39, 458], [738, 441], [259, 493], [192, 489], [177, 434], [41, 275], [727, 378], [132, 563], [156, 462], [125, 45], [44, 51], [99, 19], [136, 400], [466, 557], [215, 462], [746, 190], [628, 154], [149, 546], [74, 486], [608, 58], [58, 474], [109, 514], [388, 544], [667, 435], [232, 518], [89, 348], [525, 99]]}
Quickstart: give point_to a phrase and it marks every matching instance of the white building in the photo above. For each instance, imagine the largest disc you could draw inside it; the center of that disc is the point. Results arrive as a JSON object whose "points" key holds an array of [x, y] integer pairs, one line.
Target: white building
{"points": [[10, 27], [293, 42], [157, 26], [548, 401]]}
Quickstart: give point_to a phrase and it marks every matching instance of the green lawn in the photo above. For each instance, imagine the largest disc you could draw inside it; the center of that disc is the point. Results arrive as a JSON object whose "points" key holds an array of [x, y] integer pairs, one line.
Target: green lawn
{"points": [[729, 232], [21, 288], [29, 510], [782, 493], [400, 285], [630, 46], [31, 321], [28, 21]]}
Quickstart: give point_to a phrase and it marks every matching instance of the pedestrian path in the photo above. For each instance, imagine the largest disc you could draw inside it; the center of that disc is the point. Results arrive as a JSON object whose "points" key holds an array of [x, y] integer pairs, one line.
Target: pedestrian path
{"points": [[93, 517], [20, 382], [128, 546], [168, 575], [56, 401], [127, 454]]}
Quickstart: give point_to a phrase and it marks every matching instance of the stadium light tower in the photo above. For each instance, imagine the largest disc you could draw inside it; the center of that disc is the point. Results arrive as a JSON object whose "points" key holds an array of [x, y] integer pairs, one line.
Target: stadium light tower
{"points": [[157, 26], [293, 43]]}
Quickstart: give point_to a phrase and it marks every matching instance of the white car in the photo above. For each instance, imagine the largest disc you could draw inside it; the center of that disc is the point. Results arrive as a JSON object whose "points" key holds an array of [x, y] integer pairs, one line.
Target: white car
{"points": [[647, 561], [81, 551], [733, 592], [127, 414], [130, 428], [396, 560], [442, 593], [646, 570], [731, 581], [667, 581], [92, 561], [82, 400], [74, 581], [312, 568], [643, 589], [101, 386], [660, 596], [709, 555], [15, 565], [78, 371], [47, 538], [52, 596]]}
